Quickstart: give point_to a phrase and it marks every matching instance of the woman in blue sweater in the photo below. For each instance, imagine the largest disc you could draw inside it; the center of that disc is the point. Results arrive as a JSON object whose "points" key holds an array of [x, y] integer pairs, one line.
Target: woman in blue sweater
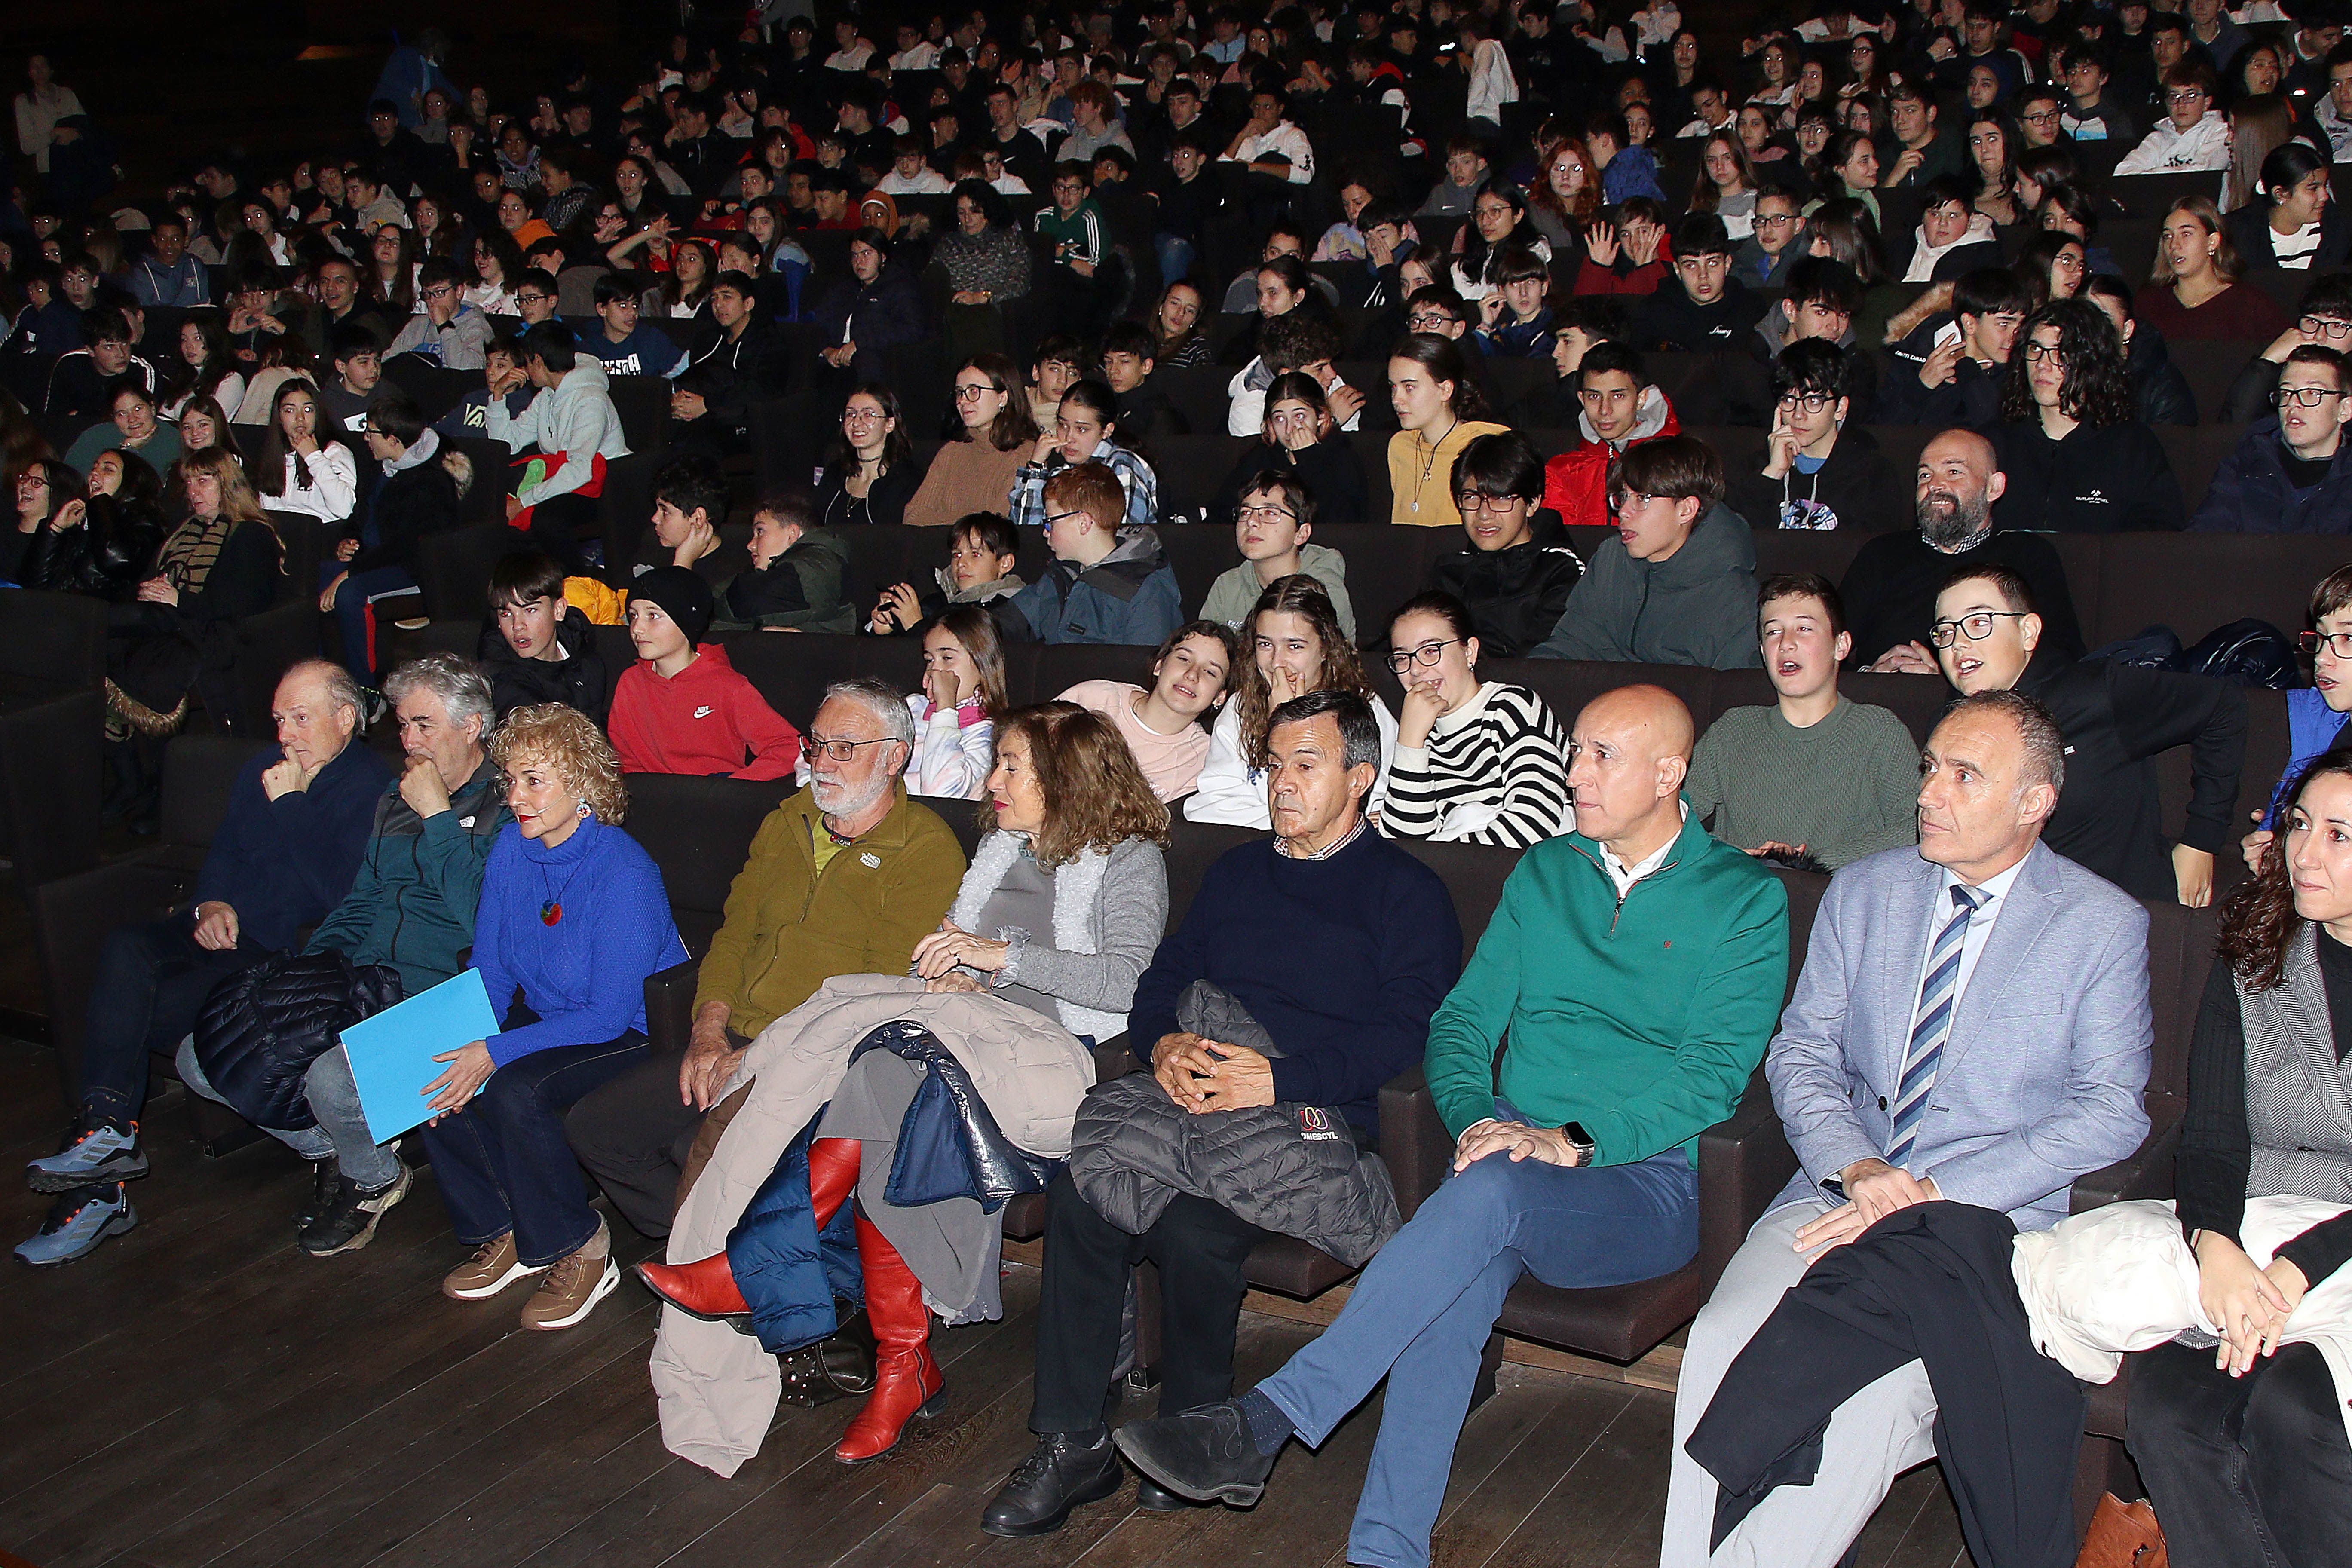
{"points": [[574, 917]]}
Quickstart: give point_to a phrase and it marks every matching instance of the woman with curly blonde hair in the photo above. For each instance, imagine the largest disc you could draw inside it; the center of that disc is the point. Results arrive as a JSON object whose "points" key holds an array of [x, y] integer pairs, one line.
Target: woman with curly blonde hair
{"points": [[1059, 914], [573, 921], [1292, 645]]}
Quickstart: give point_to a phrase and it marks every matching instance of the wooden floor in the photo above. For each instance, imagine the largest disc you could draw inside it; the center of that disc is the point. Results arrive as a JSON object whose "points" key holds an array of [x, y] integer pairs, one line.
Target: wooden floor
{"points": [[199, 1392]]}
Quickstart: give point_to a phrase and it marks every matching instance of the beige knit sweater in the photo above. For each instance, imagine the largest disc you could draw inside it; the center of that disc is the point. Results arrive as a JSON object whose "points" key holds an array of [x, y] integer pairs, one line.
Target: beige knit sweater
{"points": [[966, 477]]}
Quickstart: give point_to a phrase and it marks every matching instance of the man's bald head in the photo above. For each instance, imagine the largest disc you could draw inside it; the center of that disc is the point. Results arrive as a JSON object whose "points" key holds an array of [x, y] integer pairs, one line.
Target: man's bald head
{"points": [[1960, 478], [1629, 751], [316, 711]]}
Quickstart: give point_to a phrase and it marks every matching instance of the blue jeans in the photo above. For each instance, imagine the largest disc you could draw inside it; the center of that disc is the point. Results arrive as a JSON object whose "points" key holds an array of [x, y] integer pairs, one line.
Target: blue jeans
{"points": [[502, 1161], [341, 1130], [1175, 253], [1421, 1314], [354, 615]]}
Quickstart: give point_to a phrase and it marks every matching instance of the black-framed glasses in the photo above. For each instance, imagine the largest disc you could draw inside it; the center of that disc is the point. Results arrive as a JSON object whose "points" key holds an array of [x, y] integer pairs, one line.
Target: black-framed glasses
{"points": [[1976, 626], [2337, 643], [1264, 513], [1054, 517], [973, 389], [2301, 396], [1811, 402], [2324, 327], [2036, 352], [844, 750], [1479, 500], [1426, 655]]}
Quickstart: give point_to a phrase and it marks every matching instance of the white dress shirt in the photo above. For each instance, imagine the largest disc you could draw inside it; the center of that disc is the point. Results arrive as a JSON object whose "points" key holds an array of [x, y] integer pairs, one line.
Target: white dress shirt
{"points": [[1992, 897], [1625, 875]]}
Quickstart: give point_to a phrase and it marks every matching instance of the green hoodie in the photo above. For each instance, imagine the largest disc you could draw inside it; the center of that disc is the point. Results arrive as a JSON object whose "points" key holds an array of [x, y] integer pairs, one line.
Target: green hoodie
{"points": [[1696, 607], [799, 590], [1641, 1018], [1235, 592]]}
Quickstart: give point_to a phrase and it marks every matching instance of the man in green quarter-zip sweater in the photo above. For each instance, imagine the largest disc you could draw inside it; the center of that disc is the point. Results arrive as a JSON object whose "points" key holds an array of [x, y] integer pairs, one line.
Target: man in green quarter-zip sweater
{"points": [[1637, 967]]}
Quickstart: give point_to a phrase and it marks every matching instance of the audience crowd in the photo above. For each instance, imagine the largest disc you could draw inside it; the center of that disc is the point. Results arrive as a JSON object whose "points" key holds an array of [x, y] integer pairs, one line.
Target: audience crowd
{"points": [[998, 273]]}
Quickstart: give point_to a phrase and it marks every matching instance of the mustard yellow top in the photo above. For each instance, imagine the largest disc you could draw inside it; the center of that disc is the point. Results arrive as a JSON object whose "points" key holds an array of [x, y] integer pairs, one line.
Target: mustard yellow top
{"points": [[1421, 477]]}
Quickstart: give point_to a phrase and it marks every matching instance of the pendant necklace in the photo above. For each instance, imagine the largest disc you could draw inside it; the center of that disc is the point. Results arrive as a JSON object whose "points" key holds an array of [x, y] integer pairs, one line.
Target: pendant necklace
{"points": [[1427, 468], [550, 912]]}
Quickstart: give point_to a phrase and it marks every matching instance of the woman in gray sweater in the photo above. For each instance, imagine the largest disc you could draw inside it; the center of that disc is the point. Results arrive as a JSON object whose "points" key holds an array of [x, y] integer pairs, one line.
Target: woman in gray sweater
{"points": [[1059, 914]]}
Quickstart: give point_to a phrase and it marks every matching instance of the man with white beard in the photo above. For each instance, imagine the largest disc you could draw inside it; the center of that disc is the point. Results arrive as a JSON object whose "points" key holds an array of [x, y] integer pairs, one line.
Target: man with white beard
{"points": [[1890, 589], [844, 879]]}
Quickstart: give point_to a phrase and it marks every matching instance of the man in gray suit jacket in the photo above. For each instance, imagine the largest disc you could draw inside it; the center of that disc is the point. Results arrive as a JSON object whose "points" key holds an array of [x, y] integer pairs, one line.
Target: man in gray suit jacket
{"points": [[1971, 1024]]}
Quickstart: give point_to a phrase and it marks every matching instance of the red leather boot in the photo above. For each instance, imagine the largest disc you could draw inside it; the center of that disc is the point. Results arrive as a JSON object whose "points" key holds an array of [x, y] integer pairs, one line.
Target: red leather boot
{"points": [[906, 1381], [706, 1289]]}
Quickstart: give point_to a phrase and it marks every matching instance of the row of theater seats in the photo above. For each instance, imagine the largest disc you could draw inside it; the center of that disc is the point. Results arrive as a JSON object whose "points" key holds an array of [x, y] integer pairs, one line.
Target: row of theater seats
{"points": [[699, 831]]}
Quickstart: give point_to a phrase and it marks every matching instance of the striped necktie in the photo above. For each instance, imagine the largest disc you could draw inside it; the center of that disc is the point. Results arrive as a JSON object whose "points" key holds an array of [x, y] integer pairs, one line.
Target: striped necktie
{"points": [[1931, 1025]]}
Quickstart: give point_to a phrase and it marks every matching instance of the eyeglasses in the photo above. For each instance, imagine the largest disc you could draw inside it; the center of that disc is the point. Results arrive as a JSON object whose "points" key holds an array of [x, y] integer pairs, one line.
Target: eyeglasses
{"points": [[1773, 220], [843, 751], [2045, 117], [1428, 320], [862, 416], [1479, 500], [2037, 352], [2185, 95], [2324, 327], [2301, 396], [1426, 655], [1264, 513], [1054, 517], [1811, 402], [968, 390], [531, 298], [1975, 627], [439, 292], [2337, 643]]}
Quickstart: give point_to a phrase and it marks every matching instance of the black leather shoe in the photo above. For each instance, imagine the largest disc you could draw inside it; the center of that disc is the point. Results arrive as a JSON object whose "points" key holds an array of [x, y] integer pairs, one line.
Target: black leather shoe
{"points": [[1153, 1498], [1060, 1474], [1205, 1454]]}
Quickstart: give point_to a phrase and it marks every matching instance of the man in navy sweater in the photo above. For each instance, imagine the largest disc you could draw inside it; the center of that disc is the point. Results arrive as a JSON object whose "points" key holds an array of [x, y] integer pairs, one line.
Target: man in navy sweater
{"points": [[283, 857], [1341, 945]]}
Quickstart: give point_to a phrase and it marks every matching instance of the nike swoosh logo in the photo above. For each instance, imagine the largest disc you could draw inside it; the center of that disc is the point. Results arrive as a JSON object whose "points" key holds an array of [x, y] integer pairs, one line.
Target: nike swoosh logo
{"points": [[703, 712]]}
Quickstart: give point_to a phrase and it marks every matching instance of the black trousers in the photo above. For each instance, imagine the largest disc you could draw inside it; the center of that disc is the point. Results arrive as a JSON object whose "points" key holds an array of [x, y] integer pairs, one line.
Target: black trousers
{"points": [[150, 983], [632, 1134], [555, 527], [1199, 1246], [2246, 1472]]}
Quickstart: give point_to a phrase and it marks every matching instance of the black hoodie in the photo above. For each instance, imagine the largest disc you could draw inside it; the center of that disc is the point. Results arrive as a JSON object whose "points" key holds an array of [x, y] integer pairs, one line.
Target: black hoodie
{"points": [[2115, 718], [579, 678], [2100, 479], [1851, 490], [1670, 317], [1516, 596]]}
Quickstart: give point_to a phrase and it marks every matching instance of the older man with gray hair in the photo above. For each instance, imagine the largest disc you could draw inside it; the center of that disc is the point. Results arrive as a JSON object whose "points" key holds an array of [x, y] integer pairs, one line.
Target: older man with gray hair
{"points": [[844, 879], [284, 854], [412, 908]]}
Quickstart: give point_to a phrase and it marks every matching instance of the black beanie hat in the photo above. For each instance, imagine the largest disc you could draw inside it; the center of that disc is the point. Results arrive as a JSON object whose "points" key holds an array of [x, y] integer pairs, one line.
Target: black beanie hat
{"points": [[682, 594]]}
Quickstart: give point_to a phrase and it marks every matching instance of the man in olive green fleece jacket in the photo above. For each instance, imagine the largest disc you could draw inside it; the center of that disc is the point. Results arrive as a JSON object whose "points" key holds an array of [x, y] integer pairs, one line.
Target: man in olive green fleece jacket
{"points": [[844, 879], [1637, 966]]}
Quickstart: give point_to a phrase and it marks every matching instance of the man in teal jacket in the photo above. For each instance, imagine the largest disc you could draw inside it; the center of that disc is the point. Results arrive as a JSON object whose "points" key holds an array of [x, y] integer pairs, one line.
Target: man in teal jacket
{"points": [[1637, 967]]}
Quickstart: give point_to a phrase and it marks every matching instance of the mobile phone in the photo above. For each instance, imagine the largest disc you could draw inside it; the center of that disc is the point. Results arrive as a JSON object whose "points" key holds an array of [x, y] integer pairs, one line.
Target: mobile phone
{"points": [[1949, 333]]}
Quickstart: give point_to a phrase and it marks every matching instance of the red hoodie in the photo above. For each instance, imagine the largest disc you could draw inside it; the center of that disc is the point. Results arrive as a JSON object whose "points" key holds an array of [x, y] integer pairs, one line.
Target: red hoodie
{"points": [[1576, 483], [702, 720]]}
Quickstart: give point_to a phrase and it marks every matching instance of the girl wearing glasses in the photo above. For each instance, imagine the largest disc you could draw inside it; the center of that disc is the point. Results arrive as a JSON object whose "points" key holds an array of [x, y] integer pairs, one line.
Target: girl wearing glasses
{"points": [[2077, 455], [975, 472], [1292, 645], [1477, 762], [869, 475], [2289, 474]]}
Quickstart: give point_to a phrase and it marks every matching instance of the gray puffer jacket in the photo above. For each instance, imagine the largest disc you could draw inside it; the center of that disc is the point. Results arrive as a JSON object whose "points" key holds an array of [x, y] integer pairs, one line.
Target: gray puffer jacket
{"points": [[1291, 1169]]}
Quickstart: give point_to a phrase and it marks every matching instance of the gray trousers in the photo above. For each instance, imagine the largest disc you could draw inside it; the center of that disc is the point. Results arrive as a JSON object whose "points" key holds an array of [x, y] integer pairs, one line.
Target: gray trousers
{"points": [[1874, 1437], [341, 1131]]}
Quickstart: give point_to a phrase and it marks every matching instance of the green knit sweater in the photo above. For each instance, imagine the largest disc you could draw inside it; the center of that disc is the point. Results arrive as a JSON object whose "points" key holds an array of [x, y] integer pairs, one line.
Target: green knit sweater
{"points": [[1847, 787], [1642, 1019]]}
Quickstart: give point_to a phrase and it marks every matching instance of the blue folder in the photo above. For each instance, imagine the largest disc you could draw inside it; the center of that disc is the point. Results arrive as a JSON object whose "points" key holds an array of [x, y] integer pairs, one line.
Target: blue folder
{"points": [[392, 1054]]}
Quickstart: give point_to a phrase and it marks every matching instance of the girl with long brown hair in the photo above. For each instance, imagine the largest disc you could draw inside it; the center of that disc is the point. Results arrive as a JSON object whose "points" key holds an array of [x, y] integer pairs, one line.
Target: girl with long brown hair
{"points": [[1291, 645]]}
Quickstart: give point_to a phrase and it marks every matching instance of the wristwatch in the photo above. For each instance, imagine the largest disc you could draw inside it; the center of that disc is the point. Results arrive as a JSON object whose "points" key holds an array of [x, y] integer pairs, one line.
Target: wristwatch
{"points": [[1579, 1139]]}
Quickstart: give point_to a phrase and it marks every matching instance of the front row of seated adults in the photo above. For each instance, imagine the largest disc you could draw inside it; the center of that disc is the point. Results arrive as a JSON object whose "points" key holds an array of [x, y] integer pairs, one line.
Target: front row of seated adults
{"points": [[858, 953]]}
